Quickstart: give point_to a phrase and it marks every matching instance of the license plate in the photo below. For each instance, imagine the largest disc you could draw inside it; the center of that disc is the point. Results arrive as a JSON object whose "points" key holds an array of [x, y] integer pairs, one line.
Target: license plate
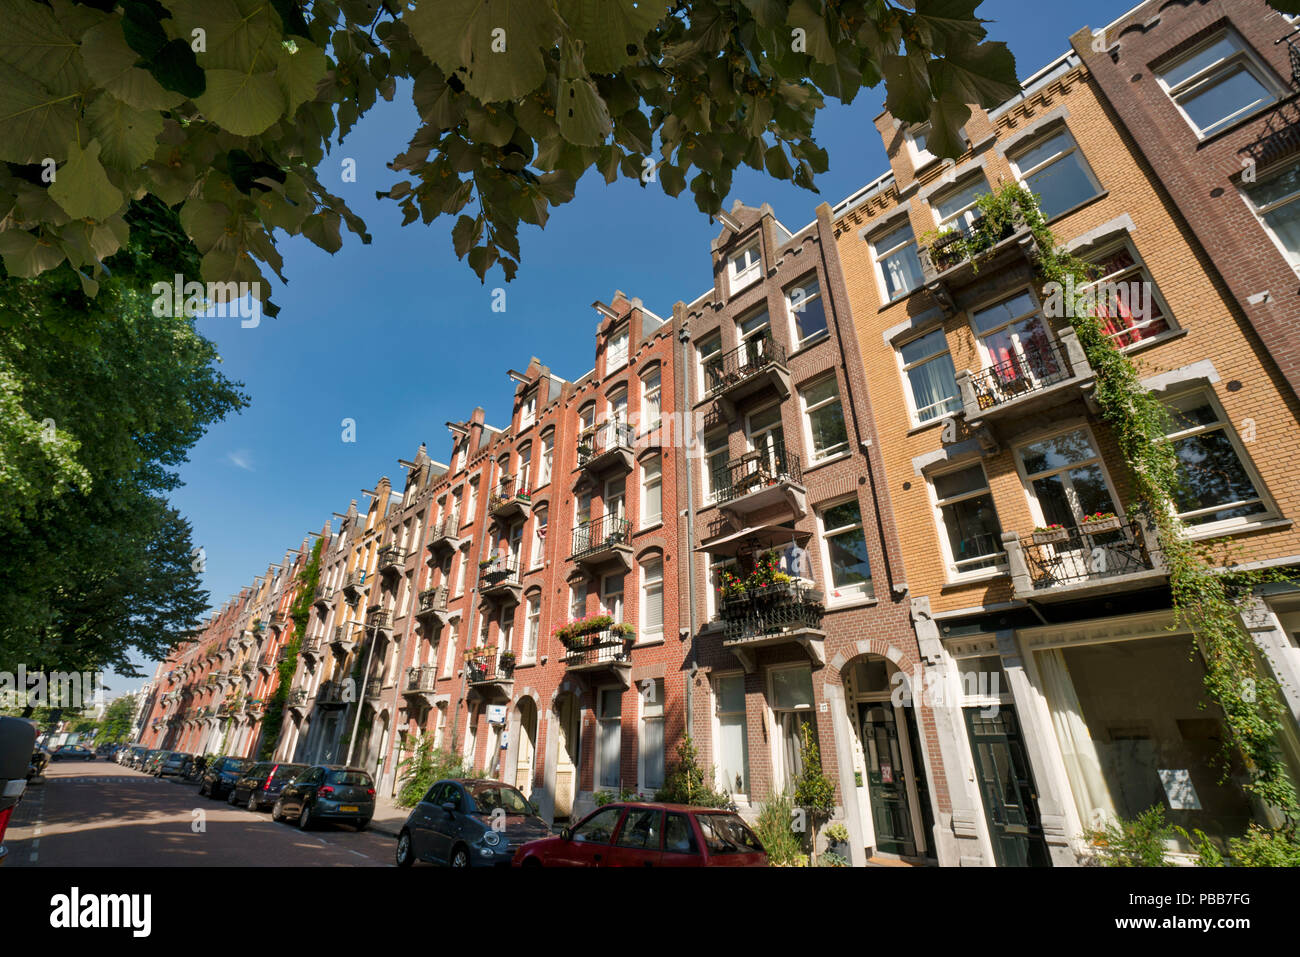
{"points": [[349, 807]]}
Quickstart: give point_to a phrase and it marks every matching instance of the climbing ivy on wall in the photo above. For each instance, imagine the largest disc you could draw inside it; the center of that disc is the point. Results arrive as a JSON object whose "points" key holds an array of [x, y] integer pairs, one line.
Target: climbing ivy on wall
{"points": [[1206, 599], [299, 613]]}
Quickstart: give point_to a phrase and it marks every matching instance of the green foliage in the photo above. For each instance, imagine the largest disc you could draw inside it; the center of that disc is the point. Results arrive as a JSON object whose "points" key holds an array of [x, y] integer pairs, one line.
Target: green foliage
{"points": [[423, 768], [608, 797], [1137, 843], [516, 101], [831, 859], [837, 834], [115, 727], [687, 783], [273, 717], [775, 829], [1264, 848], [813, 791]]}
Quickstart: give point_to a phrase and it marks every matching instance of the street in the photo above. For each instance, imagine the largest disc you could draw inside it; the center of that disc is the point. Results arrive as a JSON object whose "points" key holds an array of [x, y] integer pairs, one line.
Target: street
{"points": [[99, 814]]}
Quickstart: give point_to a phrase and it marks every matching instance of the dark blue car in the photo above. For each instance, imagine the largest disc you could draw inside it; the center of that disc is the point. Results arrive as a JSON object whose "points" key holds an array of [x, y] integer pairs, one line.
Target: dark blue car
{"points": [[219, 776], [469, 822]]}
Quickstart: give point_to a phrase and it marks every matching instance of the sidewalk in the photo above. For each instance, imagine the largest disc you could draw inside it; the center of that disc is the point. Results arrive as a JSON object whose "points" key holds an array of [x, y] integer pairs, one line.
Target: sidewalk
{"points": [[388, 818]]}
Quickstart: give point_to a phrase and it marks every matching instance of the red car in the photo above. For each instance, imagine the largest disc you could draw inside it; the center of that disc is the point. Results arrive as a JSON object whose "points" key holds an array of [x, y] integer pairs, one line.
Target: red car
{"points": [[649, 835]]}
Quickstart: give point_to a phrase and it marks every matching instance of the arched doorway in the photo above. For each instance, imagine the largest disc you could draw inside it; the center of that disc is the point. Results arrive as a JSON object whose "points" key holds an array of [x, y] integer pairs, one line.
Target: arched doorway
{"points": [[568, 728], [525, 748]]}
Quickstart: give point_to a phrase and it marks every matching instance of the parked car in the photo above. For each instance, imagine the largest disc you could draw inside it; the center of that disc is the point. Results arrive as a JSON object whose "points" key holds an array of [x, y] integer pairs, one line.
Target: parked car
{"points": [[469, 822], [220, 776], [649, 835], [17, 740], [327, 792], [138, 757], [105, 750], [156, 757], [36, 765], [176, 764], [261, 784], [72, 752]]}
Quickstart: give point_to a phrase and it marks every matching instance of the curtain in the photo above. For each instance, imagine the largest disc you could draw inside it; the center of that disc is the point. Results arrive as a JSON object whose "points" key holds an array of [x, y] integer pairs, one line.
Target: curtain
{"points": [[932, 384], [1082, 765]]}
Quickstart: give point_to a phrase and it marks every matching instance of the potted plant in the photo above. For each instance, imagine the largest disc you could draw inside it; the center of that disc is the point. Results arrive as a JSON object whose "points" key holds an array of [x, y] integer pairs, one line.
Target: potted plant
{"points": [[623, 630], [1099, 522], [732, 588], [837, 840], [1050, 534], [506, 663]]}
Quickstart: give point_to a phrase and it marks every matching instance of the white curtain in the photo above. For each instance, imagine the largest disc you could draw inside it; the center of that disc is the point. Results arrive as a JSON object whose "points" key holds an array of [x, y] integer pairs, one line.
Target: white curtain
{"points": [[1082, 765]]}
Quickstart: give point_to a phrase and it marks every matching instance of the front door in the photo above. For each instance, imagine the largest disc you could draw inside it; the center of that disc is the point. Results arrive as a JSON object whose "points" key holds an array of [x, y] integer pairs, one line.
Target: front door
{"points": [[1007, 788], [525, 746], [886, 779], [566, 767]]}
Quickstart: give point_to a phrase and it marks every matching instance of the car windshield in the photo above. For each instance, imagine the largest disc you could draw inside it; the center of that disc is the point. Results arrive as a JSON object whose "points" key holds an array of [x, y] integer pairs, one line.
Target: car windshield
{"points": [[727, 834], [356, 779], [489, 797], [175, 758], [237, 764], [287, 772]]}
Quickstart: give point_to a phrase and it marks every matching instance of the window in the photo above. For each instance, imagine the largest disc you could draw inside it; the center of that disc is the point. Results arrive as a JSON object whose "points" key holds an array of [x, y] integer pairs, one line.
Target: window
{"points": [[1066, 478], [651, 738], [532, 628], [825, 418], [1217, 481], [733, 734], [578, 600], [744, 268], [525, 468], [539, 537], [1127, 301], [472, 505], [460, 456], [898, 266], [463, 560], [449, 663], [455, 513], [616, 351], [715, 463], [652, 600], [547, 459], [1273, 198], [528, 410], [849, 568], [615, 498], [582, 510], [807, 311], [957, 210], [610, 736], [918, 139], [506, 631], [1217, 84], [792, 708], [611, 597], [971, 535], [652, 490], [755, 333], [710, 355], [931, 379], [1054, 169], [1015, 342], [599, 828], [641, 829], [767, 437], [679, 837], [651, 395]]}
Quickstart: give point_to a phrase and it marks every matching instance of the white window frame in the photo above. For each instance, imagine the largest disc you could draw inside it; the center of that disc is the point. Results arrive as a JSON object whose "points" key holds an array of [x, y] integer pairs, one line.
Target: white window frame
{"points": [[1138, 272], [1027, 479], [1023, 173], [647, 632], [538, 556], [575, 589], [659, 689], [792, 310], [921, 155], [532, 630], [848, 593], [963, 217], [710, 492], [836, 451], [617, 349], [880, 255], [777, 755], [702, 358], [619, 610], [546, 461], [651, 397], [602, 720], [999, 567], [1243, 57], [1292, 256], [715, 679], [647, 519], [742, 276], [904, 367]]}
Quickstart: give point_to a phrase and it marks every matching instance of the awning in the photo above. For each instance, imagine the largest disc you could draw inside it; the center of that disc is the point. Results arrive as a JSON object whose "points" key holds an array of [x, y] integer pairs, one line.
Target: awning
{"points": [[756, 537]]}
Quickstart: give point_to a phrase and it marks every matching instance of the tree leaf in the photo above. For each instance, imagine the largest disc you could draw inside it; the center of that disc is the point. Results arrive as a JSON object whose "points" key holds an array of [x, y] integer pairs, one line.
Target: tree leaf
{"points": [[807, 15], [980, 73], [941, 22], [300, 71], [581, 113], [128, 136], [243, 103], [111, 64], [34, 123], [35, 43], [613, 31], [82, 187], [908, 92], [26, 255]]}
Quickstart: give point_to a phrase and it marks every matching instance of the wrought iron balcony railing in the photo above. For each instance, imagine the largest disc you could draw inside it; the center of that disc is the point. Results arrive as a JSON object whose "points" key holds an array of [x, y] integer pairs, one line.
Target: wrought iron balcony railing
{"points": [[748, 359], [785, 608], [432, 600], [1089, 551], [421, 679], [392, 558], [1028, 368], [601, 648], [505, 498], [600, 534], [379, 618], [373, 687], [330, 693], [499, 573], [759, 469], [599, 440]]}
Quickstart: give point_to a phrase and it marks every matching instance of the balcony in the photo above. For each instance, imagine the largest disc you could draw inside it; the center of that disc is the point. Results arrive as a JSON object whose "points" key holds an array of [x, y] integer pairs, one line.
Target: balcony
{"points": [[788, 615], [768, 481], [380, 620], [756, 366], [392, 560], [432, 606], [354, 586], [296, 700], [248, 668], [421, 684], [601, 656], [345, 639], [506, 502], [254, 706], [374, 687], [330, 695], [1034, 378], [1086, 560], [606, 447], [498, 580], [444, 538], [490, 679], [310, 649], [948, 270], [324, 595], [603, 541], [278, 620], [266, 664]]}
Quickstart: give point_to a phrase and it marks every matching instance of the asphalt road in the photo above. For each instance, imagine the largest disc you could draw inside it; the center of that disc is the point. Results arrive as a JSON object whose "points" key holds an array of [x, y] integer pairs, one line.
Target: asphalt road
{"points": [[100, 814]]}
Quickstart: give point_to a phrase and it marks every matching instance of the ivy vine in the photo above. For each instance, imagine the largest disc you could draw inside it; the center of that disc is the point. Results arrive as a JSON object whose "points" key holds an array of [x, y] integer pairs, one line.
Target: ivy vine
{"points": [[299, 614], [1205, 598]]}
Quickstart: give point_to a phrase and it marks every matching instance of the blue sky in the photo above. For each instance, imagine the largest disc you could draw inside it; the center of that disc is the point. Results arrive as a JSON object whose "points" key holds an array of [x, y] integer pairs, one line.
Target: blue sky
{"points": [[400, 335]]}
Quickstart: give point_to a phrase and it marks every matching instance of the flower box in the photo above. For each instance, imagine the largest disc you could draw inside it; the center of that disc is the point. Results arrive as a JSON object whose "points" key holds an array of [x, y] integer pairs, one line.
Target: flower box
{"points": [[1050, 536], [1097, 526]]}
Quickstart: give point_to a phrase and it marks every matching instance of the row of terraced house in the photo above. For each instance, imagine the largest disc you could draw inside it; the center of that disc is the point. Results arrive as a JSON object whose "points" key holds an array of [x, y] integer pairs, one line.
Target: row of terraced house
{"points": [[914, 439]]}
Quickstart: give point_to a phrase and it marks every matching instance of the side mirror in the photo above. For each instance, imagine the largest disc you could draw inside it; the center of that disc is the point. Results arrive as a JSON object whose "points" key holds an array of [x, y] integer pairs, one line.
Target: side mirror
{"points": [[566, 834], [449, 807]]}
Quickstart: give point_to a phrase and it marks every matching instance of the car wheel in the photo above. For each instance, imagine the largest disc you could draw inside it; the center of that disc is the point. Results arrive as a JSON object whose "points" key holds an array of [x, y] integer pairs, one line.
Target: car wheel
{"points": [[230, 798], [252, 801], [460, 857], [205, 789], [404, 856], [277, 811], [304, 818], [363, 823]]}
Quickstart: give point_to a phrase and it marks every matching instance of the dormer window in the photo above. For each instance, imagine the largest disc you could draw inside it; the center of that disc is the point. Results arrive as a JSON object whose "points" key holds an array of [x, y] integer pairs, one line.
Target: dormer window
{"points": [[528, 410], [917, 139], [616, 351], [744, 268]]}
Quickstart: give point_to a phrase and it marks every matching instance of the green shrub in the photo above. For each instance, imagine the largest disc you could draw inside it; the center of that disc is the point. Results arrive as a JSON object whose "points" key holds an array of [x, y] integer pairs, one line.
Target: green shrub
{"points": [[775, 829], [1137, 843], [608, 797], [425, 766], [687, 783], [1264, 848]]}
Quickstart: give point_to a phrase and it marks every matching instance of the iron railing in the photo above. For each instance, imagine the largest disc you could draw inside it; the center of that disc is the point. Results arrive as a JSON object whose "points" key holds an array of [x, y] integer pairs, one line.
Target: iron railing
{"points": [[505, 494], [761, 468], [787, 607], [488, 669], [1079, 553], [330, 693], [379, 618], [310, 646], [501, 571], [1029, 368], [374, 687], [449, 527], [296, 698], [599, 534], [432, 599], [602, 647], [745, 361], [947, 252], [421, 679], [391, 557], [605, 437]]}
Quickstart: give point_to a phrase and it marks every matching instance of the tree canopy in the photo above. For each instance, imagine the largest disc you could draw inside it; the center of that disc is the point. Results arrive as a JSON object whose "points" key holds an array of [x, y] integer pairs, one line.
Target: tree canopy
{"points": [[228, 109]]}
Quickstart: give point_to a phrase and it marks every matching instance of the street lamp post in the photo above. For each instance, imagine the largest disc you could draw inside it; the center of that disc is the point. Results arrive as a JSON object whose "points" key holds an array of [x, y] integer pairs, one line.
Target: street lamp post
{"points": [[370, 651]]}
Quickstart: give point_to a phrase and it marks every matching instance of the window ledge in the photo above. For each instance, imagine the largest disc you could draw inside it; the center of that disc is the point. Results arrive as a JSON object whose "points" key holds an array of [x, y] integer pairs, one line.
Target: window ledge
{"points": [[1263, 525], [847, 603], [1078, 206], [650, 528], [648, 643], [1144, 344], [891, 303], [810, 344], [976, 577], [933, 423], [830, 460]]}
